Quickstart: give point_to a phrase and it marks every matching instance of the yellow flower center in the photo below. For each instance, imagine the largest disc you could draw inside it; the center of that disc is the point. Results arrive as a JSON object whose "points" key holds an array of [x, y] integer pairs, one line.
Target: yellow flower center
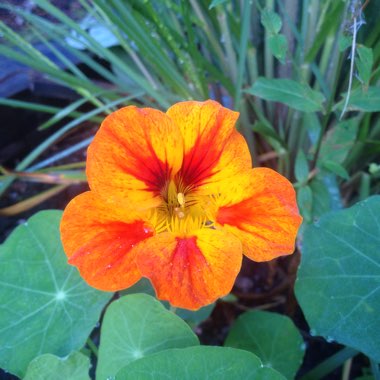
{"points": [[182, 210]]}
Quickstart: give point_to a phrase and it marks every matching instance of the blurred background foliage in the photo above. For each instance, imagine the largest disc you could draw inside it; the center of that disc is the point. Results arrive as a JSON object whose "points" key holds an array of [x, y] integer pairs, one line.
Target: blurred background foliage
{"points": [[303, 74]]}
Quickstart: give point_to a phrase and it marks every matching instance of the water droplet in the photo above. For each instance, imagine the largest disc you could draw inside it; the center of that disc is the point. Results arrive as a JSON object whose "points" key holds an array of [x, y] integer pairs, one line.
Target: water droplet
{"points": [[313, 332], [147, 230], [329, 339], [303, 346]]}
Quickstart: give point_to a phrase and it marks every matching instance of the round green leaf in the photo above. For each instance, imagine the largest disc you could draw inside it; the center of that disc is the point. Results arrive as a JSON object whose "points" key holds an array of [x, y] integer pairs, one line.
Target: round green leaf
{"points": [[135, 326], [202, 362], [270, 336], [193, 318], [45, 306], [47, 367], [338, 285]]}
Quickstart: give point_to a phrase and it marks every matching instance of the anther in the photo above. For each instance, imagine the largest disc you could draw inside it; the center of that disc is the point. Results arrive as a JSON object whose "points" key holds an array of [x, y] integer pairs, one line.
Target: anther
{"points": [[181, 199], [179, 212]]}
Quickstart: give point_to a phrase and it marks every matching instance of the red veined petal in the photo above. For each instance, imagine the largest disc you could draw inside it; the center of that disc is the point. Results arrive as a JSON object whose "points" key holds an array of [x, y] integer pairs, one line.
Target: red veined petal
{"points": [[99, 240], [133, 155], [262, 211], [213, 149], [194, 271]]}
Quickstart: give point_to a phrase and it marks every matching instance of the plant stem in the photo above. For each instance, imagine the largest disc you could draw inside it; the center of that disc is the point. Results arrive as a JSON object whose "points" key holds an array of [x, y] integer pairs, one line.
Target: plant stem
{"points": [[92, 347], [347, 369], [375, 369], [244, 34], [330, 364]]}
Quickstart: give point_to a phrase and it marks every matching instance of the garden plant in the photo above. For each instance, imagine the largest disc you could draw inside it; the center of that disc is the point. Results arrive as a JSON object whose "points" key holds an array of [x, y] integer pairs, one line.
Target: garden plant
{"points": [[224, 222]]}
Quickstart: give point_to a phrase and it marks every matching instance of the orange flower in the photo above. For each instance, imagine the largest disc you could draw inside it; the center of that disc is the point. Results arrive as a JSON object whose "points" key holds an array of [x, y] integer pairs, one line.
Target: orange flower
{"points": [[174, 198]]}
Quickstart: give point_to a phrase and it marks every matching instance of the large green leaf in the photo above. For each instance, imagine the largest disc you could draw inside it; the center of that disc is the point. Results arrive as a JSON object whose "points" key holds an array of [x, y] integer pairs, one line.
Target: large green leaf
{"points": [[270, 336], [202, 362], [193, 318], [135, 326], [338, 285], [45, 307], [294, 94], [47, 366]]}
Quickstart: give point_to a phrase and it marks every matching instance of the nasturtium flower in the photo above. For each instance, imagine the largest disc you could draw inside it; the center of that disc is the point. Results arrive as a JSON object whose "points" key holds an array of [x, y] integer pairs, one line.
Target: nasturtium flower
{"points": [[174, 198]]}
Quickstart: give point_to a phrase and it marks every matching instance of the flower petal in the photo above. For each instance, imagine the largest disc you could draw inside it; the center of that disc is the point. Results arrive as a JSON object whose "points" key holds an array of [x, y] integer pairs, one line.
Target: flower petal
{"points": [[262, 211], [213, 149], [98, 239], [193, 271], [134, 153]]}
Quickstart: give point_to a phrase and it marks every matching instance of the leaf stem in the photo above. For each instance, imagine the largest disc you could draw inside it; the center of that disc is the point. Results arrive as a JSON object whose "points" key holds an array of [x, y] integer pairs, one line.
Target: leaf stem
{"points": [[375, 369], [92, 347], [244, 34], [330, 364]]}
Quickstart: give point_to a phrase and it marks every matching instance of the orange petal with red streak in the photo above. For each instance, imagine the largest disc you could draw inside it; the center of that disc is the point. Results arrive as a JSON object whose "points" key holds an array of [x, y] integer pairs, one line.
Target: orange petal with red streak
{"points": [[262, 211], [213, 149], [134, 153], [98, 239], [194, 271]]}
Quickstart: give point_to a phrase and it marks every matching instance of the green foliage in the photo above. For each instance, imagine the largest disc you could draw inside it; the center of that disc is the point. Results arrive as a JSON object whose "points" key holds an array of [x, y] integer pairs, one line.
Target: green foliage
{"points": [[193, 318], [364, 64], [295, 95], [46, 307], [213, 363], [47, 366], [338, 280], [285, 66], [365, 99], [270, 336], [301, 167], [136, 326]]}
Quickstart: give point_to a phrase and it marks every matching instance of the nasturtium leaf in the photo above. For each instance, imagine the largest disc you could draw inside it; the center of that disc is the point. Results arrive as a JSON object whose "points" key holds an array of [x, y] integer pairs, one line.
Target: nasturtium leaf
{"points": [[294, 94], [135, 326], [45, 306], [202, 362], [270, 336], [271, 21], [363, 99], [278, 45], [338, 285], [48, 366], [193, 318]]}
